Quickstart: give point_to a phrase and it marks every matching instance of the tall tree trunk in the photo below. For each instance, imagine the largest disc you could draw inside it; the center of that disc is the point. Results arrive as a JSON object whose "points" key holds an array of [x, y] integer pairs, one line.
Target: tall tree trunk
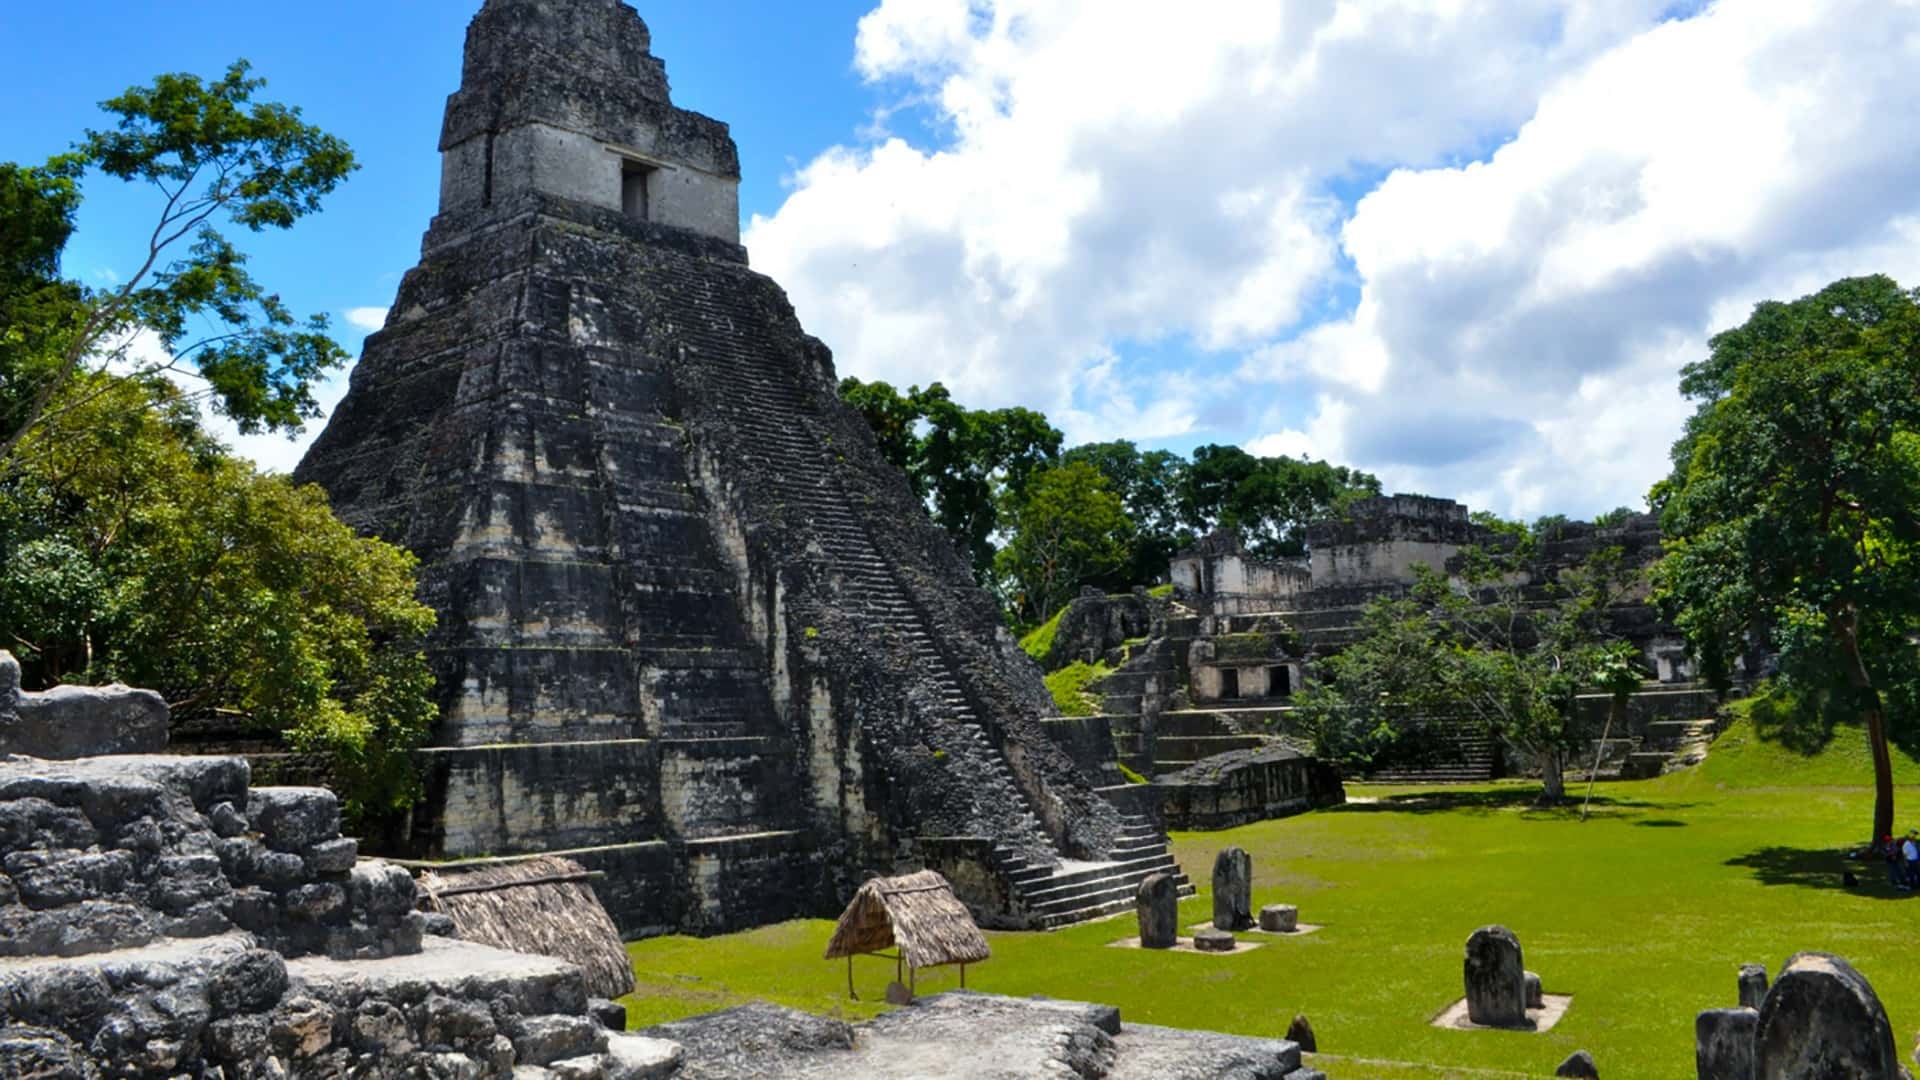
{"points": [[1616, 711], [1872, 717], [1552, 783]]}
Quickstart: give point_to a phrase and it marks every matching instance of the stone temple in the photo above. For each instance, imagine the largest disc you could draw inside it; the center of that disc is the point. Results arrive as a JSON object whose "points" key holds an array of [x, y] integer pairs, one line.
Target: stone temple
{"points": [[695, 632]]}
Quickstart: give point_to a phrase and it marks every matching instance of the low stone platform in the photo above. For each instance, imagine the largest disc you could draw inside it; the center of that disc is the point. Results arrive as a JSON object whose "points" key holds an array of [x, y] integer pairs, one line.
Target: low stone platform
{"points": [[1299, 930], [1242, 786], [537, 984], [1554, 1006], [1186, 945], [969, 1036]]}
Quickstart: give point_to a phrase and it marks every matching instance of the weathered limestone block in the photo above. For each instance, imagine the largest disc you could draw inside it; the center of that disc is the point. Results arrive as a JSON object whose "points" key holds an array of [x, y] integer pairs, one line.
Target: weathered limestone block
{"points": [[42, 1052], [88, 927], [1213, 940], [1753, 985], [251, 982], [1821, 1019], [332, 856], [543, 1040], [1495, 978], [610, 1014], [70, 722], [1579, 1064], [1233, 890], [227, 820], [459, 1024], [293, 819], [636, 1057], [1157, 906], [1301, 1032], [1279, 918], [300, 1026], [1723, 1043]]}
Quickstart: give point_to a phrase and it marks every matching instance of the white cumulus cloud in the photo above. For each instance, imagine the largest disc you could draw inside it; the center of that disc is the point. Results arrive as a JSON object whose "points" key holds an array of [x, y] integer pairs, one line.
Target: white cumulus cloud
{"points": [[366, 318], [1464, 243]]}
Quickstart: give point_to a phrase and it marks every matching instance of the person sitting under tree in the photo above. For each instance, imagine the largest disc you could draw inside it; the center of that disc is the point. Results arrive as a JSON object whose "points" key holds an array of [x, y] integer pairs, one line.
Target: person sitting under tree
{"points": [[1910, 856]]}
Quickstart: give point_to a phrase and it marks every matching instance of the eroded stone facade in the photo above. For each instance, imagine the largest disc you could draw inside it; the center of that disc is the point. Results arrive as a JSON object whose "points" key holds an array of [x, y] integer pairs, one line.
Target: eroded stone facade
{"points": [[695, 632]]}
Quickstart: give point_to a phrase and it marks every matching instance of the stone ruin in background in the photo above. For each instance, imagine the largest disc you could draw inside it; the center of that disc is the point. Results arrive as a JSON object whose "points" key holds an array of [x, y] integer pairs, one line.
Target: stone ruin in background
{"points": [[1202, 684], [694, 631], [160, 916]]}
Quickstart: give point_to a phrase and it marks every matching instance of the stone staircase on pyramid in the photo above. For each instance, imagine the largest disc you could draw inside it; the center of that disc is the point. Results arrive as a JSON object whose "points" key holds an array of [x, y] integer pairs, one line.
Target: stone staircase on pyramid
{"points": [[769, 405]]}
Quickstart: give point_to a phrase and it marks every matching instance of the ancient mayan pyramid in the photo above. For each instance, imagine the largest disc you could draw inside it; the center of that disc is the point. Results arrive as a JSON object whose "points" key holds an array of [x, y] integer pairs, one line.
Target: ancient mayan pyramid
{"points": [[694, 631]]}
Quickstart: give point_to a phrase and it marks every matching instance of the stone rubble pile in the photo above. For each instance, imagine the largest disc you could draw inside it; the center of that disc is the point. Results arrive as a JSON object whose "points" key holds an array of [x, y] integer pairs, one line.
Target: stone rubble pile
{"points": [[160, 917]]}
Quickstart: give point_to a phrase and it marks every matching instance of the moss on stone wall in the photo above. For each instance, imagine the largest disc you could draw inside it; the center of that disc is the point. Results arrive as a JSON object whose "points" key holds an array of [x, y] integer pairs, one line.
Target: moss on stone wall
{"points": [[1039, 641], [1069, 688]]}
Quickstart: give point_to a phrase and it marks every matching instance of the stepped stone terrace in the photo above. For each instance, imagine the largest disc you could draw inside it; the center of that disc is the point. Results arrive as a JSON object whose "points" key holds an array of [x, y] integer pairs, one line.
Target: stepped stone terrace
{"points": [[695, 633]]}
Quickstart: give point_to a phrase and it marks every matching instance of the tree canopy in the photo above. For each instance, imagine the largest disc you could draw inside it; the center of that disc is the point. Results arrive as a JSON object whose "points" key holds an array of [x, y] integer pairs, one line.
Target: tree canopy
{"points": [[975, 468], [1792, 513], [132, 546], [1066, 528], [134, 549], [211, 153], [1484, 649]]}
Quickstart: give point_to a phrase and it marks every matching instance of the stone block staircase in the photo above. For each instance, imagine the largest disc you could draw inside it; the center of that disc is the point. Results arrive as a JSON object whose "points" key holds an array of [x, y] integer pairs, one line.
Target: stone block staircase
{"points": [[1075, 892], [1464, 756], [1669, 745], [768, 408]]}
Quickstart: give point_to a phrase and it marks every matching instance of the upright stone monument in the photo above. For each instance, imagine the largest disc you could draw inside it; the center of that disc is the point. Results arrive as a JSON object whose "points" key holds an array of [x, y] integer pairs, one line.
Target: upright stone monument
{"points": [[1723, 1043], [1496, 979], [1822, 1019], [694, 631], [1232, 890], [1157, 906], [1753, 985]]}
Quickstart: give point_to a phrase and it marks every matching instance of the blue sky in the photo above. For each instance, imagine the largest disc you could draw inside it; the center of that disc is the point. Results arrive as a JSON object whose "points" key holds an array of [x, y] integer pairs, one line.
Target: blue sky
{"points": [[378, 74], [1467, 247]]}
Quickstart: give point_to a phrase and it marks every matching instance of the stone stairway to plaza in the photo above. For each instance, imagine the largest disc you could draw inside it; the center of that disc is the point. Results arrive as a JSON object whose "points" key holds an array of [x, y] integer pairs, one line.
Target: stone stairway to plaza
{"points": [[768, 406], [1073, 892]]}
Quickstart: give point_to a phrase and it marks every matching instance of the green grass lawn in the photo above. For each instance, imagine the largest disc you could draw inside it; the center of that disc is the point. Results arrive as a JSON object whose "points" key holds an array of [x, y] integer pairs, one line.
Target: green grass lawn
{"points": [[1642, 913]]}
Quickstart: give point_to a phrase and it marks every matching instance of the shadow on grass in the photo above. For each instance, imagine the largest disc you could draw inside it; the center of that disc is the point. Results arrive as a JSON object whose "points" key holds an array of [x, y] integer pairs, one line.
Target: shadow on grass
{"points": [[1661, 823], [1485, 801], [1818, 869]]}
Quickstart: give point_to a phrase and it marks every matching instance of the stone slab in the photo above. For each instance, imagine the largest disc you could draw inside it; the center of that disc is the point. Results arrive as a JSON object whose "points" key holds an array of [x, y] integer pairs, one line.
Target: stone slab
{"points": [[962, 1035], [164, 952], [1543, 1019], [1185, 945], [69, 722], [1299, 930], [455, 968]]}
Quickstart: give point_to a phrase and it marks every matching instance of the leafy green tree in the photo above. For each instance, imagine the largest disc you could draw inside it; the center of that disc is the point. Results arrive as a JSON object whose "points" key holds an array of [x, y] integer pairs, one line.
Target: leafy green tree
{"points": [[1267, 502], [1066, 529], [1481, 649], [1792, 514], [966, 463], [212, 153], [133, 548], [1148, 483], [1613, 517], [1381, 697], [895, 419], [1523, 653]]}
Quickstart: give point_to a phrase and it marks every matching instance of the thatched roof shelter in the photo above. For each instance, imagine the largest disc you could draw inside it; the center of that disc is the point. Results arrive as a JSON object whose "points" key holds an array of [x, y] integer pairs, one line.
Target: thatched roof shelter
{"points": [[918, 913], [545, 906]]}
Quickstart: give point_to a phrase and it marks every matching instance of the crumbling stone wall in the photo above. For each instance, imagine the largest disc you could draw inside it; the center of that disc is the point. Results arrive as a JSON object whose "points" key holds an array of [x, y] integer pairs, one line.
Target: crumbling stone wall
{"points": [[159, 916]]}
